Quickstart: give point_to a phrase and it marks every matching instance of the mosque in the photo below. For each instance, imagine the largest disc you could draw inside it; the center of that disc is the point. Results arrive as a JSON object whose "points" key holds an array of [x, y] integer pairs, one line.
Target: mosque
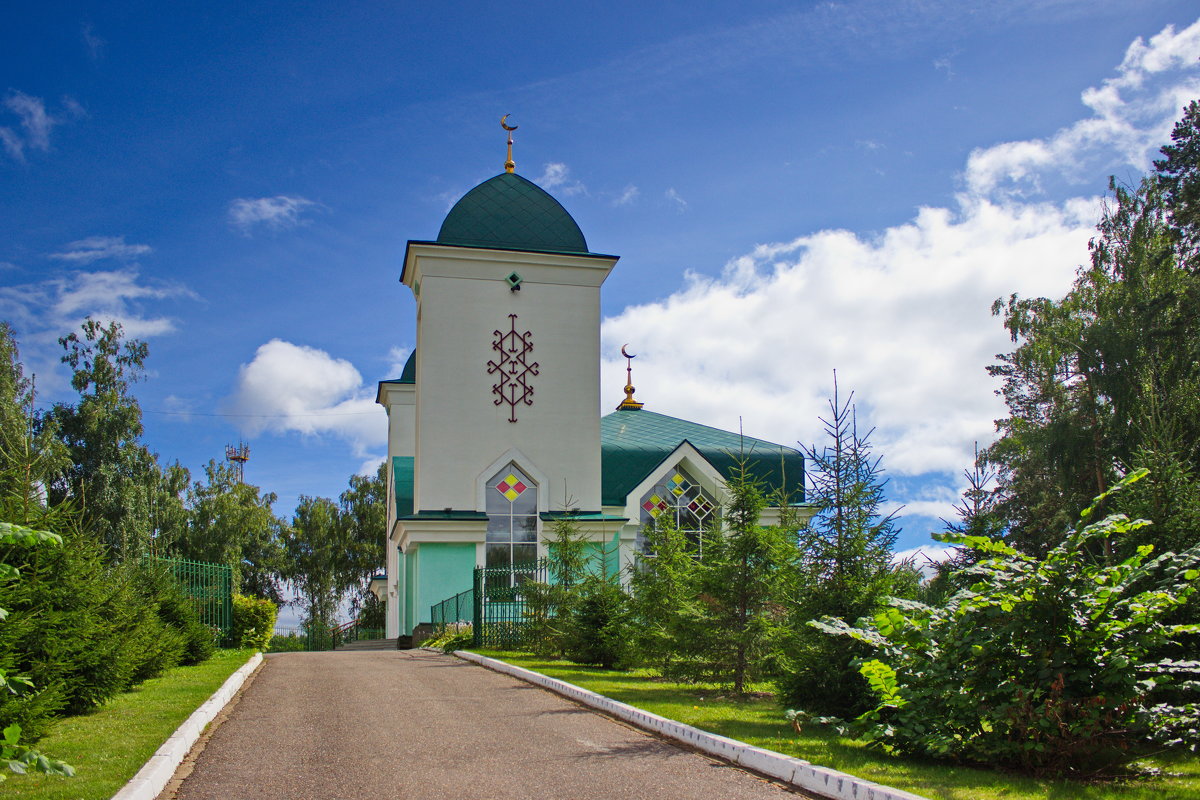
{"points": [[495, 428]]}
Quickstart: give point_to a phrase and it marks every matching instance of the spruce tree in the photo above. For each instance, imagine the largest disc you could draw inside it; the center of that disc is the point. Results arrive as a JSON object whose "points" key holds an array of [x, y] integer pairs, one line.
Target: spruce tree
{"points": [[845, 564]]}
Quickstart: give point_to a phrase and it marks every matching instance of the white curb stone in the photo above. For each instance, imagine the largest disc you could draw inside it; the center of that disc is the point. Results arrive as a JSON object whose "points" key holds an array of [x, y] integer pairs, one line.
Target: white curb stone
{"points": [[153, 777], [797, 772]]}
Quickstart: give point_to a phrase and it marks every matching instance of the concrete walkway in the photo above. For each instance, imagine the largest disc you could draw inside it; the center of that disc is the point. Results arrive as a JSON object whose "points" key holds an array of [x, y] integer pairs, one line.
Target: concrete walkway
{"points": [[415, 724]]}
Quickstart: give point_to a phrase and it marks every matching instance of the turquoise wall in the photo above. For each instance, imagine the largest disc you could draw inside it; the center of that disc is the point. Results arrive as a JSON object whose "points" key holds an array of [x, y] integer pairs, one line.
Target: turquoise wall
{"points": [[435, 572]]}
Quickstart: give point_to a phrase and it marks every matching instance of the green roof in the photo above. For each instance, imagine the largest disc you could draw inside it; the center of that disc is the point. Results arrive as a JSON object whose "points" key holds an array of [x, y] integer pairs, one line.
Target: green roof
{"points": [[634, 443], [508, 212], [402, 482]]}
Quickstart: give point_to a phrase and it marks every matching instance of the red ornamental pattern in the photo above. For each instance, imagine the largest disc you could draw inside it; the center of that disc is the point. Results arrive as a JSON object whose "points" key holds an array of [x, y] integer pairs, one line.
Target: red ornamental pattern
{"points": [[511, 367]]}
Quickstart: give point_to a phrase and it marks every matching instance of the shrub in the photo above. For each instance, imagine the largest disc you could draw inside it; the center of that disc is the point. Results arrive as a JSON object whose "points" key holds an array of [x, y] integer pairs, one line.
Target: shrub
{"points": [[253, 622], [289, 643], [179, 613], [1044, 665], [456, 636], [599, 629]]}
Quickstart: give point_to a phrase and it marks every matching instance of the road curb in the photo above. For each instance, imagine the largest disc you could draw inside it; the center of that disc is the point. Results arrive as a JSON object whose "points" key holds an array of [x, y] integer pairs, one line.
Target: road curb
{"points": [[796, 772], [156, 773]]}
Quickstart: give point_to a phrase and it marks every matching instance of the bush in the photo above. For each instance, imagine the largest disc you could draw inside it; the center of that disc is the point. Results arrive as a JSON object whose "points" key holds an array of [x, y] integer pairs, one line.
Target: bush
{"points": [[456, 636], [289, 643], [253, 622], [599, 630], [179, 613], [83, 629], [1043, 665]]}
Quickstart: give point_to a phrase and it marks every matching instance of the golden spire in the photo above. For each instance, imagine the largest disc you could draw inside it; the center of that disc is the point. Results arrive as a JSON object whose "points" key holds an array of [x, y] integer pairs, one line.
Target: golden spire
{"points": [[509, 164], [628, 404]]}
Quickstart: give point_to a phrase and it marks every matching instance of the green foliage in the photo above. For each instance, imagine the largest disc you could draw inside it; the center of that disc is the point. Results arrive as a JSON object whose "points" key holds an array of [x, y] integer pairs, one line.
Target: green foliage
{"points": [[1109, 375], [1045, 664], [332, 550], [663, 599], [116, 483], [456, 636], [551, 605], [845, 566], [287, 643], [372, 612], [253, 622], [18, 757], [229, 522], [600, 624], [740, 585]]}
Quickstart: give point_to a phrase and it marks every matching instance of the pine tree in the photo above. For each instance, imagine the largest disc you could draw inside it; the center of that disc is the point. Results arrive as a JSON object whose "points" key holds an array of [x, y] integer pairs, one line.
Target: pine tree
{"points": [[845, 570]]}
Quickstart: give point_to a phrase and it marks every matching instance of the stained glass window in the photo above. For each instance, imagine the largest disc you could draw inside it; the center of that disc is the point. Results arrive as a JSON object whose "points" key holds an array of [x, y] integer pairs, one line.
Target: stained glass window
{"points": [[512, 519], [680, 499]]}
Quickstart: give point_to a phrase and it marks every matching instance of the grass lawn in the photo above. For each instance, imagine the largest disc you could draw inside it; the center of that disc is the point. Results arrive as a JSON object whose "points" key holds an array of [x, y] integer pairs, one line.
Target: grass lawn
{"points": [[761, 722], [109, 746]]}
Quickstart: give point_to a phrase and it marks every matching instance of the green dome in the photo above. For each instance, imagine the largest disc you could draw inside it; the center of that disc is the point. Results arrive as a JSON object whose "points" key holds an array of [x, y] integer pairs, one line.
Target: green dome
{"points": [[508, 212]]}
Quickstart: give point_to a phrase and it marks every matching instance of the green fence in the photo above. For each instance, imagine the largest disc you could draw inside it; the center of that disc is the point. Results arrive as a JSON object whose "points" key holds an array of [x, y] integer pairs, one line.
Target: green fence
{"points": [[209, 585], [453, 610], [501, 610]]}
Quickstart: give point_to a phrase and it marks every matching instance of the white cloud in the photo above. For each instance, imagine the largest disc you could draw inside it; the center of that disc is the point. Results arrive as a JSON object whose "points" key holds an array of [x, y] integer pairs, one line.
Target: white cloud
{"points": [[293, 388], [925, 558], [904, 316], [1132, 116], [34, 121], [95, 248], [556, 175], [675, 198], [397, 358], [628, 195], [41, 312], [275, 213]]}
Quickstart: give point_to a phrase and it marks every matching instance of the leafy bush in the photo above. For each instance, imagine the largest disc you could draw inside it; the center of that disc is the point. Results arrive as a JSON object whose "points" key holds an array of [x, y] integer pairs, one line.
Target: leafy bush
{"points": [[456, 636], [289, 643], [253, 622], [1044, 665]]}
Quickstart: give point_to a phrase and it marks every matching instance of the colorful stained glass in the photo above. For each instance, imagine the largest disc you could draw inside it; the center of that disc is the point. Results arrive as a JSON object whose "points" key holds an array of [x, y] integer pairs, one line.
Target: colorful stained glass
{"points": [[511, 487]]}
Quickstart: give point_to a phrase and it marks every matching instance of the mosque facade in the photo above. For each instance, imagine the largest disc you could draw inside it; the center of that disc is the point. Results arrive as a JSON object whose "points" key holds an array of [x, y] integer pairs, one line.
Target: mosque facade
{"points": [[495, 428]]}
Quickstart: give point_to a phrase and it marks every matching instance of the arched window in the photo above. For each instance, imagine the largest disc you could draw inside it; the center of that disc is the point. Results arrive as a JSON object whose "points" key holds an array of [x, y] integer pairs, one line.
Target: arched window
{"points": [[680, 499], [512, 511]]}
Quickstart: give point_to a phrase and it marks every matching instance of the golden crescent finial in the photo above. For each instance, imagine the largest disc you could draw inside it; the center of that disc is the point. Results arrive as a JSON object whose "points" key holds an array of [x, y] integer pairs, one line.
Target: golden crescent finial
{"points": [[509, 164], [628, 404]]}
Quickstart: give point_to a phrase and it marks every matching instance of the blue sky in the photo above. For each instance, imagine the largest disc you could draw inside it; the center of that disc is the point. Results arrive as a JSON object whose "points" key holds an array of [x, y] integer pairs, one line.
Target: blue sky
{"points": [[792, 188]]}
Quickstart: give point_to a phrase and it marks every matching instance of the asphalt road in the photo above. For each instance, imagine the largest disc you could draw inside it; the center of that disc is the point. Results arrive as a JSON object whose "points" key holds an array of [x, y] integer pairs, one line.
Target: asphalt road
{"points": [[414, 724]]}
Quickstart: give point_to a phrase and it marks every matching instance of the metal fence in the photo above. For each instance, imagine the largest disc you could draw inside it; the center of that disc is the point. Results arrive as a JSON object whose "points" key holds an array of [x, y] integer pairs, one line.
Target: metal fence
{"points": [[453, 610], [210, 586], [503, 608]]}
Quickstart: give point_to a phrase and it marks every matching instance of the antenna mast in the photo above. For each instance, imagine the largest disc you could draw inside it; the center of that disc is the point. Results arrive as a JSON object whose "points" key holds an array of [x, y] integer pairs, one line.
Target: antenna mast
{"points": [[238, 456]]}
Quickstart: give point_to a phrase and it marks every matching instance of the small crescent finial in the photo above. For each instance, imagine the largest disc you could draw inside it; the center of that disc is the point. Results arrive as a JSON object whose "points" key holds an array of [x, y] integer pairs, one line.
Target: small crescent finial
{"points": [[628, 404], [509, 164]]}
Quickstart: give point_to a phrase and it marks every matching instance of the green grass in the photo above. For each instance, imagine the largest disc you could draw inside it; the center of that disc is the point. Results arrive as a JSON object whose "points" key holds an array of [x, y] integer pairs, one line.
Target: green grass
{"points": [[761, 722], [109, 746]]}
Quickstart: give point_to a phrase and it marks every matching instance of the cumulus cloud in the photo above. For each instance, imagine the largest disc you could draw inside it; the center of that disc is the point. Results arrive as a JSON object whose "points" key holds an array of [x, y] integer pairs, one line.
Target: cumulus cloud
{"points": [[273, 213], [557, 176], [1132, 116], [96, 248], [34, 123], [43, 311], [925, 558], [292, 388], [904, 315]]}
